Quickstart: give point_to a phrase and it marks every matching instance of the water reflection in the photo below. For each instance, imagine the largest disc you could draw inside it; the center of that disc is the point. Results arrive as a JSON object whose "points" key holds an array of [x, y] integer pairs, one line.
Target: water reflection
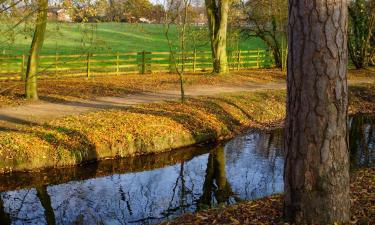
{"points": [[216, 187], [362, 141], [152, 189]]}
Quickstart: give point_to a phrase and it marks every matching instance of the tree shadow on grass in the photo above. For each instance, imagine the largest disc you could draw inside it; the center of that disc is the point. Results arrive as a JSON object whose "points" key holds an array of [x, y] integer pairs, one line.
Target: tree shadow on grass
{"points": [[83, 104], [78, 145], [16, 121], [236, 106], [197, 118]]}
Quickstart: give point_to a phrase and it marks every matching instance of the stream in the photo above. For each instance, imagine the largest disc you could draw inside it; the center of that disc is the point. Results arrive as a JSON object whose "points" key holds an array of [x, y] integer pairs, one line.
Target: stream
{"points": [[156, 188]]}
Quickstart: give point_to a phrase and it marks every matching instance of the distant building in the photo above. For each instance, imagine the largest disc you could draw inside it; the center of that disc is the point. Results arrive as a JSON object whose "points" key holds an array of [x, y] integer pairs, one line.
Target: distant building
{"points": [[63, 16], [59, 14], [200, 20], [144, 20]]}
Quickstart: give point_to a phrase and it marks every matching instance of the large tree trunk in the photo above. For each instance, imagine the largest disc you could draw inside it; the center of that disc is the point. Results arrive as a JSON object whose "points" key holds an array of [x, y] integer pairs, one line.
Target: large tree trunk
{"points": [[317, 163], [217, 13], [36, 46]]}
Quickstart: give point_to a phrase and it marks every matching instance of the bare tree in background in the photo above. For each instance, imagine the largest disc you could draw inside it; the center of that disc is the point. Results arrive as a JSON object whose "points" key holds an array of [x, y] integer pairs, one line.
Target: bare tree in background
{"points": [[267, 20], [174, 8], [362, 33], [316, 175]]}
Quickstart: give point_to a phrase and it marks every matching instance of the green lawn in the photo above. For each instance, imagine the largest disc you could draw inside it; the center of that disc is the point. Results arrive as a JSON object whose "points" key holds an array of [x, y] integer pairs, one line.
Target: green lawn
{"points": [[65, 38]]}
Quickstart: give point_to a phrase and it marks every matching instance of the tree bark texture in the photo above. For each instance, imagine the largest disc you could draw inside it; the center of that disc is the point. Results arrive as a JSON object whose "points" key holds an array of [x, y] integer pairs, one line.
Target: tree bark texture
{"points": [[317, 164], [217, 13], [36, 46]]}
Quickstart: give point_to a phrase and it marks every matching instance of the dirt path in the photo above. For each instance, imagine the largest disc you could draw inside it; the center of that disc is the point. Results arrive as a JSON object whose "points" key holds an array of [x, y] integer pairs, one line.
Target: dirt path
{"points": [[41, 112]]}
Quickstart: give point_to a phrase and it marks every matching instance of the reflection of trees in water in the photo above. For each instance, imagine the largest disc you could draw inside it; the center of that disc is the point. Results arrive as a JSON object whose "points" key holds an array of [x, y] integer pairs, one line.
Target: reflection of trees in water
{"points": [[45, 200], [263, 143], [75, 203], [182, 197], [362, 141], [256, 161], [4, 216], [269, 145], [17, 204], [138, 199], [216, 188]]}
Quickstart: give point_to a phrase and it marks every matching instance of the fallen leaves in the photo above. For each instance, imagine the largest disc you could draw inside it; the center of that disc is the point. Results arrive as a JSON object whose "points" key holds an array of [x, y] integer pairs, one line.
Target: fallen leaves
{"points": [[71, 89]]}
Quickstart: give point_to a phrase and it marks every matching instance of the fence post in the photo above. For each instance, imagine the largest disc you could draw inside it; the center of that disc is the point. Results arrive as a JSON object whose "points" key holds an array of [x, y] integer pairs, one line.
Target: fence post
{"points": [[258, 59], [23, 67], [238, 60], [88, 65], [117, 64], [195, 60], [56, 63]]}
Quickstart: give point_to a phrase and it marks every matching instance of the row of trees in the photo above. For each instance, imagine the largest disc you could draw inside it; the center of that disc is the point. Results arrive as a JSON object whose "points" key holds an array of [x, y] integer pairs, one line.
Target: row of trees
{"points": [[123, 10], [268, 20], [117, 11]]}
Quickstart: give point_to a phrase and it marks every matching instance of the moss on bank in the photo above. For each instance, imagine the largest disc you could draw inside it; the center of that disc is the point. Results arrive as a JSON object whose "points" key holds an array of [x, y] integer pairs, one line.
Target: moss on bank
{"points": [[151, 128]]}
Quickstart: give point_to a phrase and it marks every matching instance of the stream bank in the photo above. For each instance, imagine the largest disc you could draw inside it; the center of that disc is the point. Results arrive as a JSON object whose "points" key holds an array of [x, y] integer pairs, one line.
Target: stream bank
{"points": [[150, 128]]}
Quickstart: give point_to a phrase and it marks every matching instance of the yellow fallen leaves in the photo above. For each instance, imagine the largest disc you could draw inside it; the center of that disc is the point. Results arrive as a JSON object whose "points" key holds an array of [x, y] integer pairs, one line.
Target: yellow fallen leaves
{"points": [[71, 89]]}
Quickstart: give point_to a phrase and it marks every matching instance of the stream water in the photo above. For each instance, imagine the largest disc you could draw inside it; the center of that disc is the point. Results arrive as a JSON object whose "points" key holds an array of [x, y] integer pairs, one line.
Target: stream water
{"points": [[152, 189]]}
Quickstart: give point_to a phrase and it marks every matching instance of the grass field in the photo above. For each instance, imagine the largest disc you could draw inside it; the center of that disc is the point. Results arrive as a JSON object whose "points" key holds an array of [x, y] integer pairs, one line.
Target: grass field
{"points": [[65, 38]]}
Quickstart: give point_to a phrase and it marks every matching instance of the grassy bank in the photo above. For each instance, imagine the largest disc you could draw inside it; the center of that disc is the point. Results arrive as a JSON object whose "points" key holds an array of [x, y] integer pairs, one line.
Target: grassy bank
{"points": [[102, 38], [151, 128], [269, 210]]}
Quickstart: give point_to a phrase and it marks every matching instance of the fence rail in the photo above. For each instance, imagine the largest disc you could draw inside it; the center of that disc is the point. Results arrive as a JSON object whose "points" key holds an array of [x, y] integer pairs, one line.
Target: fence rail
{"points": [[59, 65]]}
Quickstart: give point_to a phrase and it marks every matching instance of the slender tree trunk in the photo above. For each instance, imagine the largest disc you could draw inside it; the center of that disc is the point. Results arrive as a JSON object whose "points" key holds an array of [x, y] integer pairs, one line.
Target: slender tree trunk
{"points": [[217, 13], [317, 163], [180, 72], [36, 46]]}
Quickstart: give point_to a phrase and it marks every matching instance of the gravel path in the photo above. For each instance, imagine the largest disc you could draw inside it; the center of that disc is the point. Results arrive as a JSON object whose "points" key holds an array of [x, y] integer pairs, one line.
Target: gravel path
{"points": [[41, 112]]}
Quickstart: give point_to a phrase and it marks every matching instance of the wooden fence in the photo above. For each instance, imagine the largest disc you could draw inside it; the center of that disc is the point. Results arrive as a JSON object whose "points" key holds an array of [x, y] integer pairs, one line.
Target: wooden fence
{"points": [[13, 67]]}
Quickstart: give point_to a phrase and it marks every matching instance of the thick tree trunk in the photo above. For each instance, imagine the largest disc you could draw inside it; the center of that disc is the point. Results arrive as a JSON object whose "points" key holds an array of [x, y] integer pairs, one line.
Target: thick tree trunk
{"points": [[36, 46], [317, 163], [217, 13]]}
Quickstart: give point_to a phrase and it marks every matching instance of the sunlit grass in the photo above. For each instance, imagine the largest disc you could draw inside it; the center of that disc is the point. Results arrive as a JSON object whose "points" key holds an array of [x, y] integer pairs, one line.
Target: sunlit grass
{"points": [[66, 38]]}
